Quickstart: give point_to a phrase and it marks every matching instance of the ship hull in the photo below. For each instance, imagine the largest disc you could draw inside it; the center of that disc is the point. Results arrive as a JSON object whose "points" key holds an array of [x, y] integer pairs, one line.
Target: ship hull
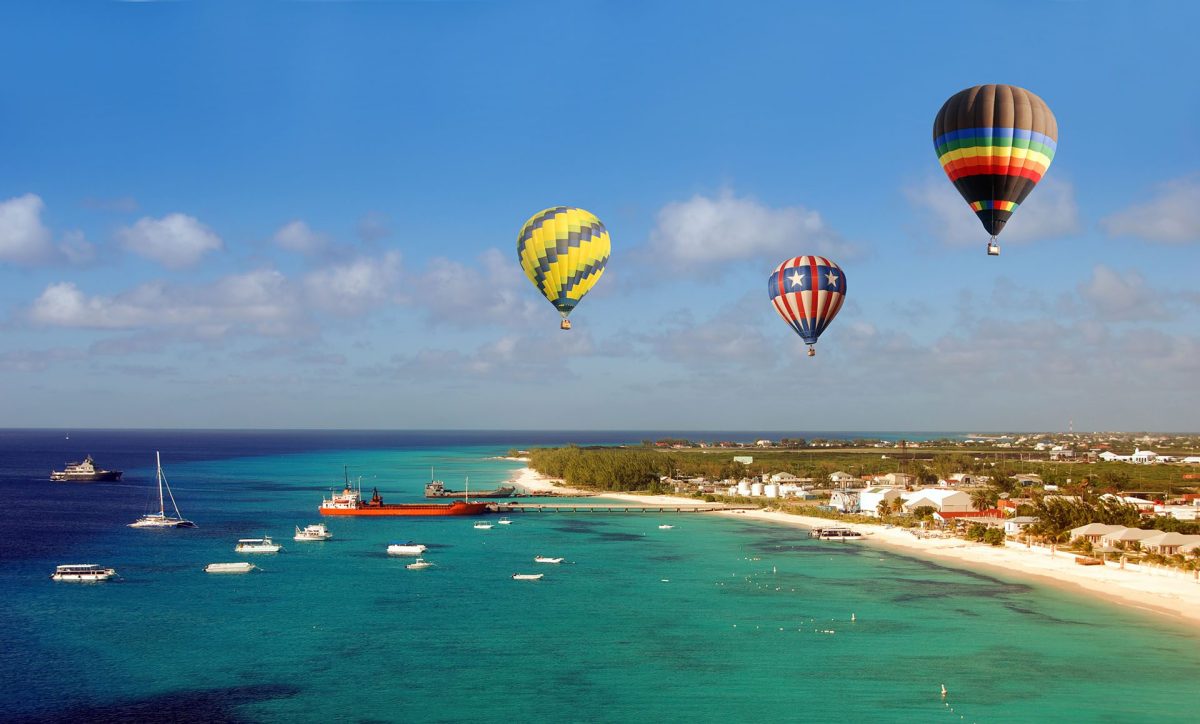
{"points": [[409, 509], [108, 476], [501, 492]]}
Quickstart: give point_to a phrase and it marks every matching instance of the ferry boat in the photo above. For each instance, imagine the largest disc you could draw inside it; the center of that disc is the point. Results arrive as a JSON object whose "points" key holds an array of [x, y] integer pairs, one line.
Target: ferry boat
{"points": [[85, 572], [229, 567], [257, 545], [350, 502], [316, 531], [84, 472], [407, 548], [836, 533], [482, 526]]}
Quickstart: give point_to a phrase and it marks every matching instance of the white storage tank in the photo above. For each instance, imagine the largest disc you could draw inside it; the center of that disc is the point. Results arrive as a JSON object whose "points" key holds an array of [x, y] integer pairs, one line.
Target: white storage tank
{"points": [[772, 490], [756, 489], [744, 488]]}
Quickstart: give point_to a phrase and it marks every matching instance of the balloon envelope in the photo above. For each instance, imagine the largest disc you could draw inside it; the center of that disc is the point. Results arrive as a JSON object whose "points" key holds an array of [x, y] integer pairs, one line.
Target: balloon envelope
{"points": [[563, 251], [995, 142], [807, 291]]}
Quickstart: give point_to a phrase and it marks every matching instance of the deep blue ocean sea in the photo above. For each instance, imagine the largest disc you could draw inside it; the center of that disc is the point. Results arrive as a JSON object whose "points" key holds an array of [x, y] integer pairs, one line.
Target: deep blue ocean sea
{"points": [[715, 620]]}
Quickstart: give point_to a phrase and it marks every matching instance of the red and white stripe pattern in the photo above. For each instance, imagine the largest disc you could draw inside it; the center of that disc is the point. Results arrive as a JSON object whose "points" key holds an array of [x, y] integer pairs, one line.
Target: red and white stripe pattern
{"points": [[807, 291]]}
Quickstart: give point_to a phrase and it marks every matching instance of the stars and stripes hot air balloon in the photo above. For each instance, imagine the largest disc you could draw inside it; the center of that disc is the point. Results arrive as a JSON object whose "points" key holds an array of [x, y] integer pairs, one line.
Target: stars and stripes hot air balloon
{"points": [[995, 142], [807, 291], [563, 251]]}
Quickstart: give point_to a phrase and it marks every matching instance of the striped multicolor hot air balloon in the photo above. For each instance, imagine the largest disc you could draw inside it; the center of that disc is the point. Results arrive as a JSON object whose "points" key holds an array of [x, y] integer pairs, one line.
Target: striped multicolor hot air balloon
{"points": [[563, 251], [995, 142], [807, 291]]}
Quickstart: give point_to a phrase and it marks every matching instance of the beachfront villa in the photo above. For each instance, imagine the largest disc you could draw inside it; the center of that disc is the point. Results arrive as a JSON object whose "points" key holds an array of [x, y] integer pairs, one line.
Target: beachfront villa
{"points": [[1150, 541]]}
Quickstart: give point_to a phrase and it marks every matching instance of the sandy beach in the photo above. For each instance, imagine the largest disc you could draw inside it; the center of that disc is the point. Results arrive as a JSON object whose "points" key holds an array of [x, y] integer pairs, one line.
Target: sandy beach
{"points": [[1161, 590]]}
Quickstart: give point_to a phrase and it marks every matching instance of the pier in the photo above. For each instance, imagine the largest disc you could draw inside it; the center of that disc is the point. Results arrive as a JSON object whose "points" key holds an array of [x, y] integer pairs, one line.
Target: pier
{"points": [[612, 508]]}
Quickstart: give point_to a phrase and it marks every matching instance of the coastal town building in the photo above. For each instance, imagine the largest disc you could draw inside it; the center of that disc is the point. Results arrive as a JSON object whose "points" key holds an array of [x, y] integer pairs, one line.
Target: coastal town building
{"points": [[841, 479], [870, 498], [940, 499], [1018, 524], [844, 501]]}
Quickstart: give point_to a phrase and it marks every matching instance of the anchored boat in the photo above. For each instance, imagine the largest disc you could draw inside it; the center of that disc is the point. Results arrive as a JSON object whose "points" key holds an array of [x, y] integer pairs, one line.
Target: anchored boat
{"points": [[161, 519], [85, 572], [350, 502], [84, 472]]}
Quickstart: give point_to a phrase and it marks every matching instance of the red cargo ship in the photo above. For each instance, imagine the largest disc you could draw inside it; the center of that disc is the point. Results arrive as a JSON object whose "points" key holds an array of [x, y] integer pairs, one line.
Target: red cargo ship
{"points": [[350, 502]]}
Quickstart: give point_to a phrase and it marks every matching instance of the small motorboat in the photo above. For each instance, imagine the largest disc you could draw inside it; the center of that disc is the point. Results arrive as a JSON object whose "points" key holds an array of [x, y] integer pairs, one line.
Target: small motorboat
{"points": [[664, 526], [527, 576], [504, 521], [407, 548], [83, 572], [242, 567], [547, 559], [257, 545], [419, 565], [316, 531], [483, 526]]}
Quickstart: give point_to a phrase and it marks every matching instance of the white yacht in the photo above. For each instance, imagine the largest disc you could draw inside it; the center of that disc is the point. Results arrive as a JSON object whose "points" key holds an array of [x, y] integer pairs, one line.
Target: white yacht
{"points": [[547, 559], [316, 531], [406, 549], [229, 567], [87, 572], [528, 576], [419, 565], [256, 545], [161, 519], [504, 521], [483, 526]]}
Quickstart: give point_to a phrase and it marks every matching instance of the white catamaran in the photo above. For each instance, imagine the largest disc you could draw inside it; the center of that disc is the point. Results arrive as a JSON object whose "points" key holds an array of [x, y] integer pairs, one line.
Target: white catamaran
{"points": [[161, 519]]}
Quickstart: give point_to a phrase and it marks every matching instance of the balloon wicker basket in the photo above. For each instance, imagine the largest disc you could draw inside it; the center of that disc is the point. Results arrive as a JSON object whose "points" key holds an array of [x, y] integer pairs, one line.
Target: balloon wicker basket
{"points": [[566, 324], [812, 352]]}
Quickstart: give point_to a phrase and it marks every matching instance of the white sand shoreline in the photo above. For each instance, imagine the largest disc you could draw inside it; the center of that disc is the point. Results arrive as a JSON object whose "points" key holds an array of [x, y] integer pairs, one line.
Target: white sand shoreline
{"points": [[1163, 591]]}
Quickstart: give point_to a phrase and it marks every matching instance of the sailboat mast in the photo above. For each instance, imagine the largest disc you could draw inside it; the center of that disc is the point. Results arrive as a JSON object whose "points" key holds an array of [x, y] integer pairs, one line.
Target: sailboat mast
{"points": [[162, 509]]}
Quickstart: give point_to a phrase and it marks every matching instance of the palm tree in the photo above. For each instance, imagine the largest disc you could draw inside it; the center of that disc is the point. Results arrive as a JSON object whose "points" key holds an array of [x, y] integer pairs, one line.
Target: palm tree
{"points": [[984, 498]]}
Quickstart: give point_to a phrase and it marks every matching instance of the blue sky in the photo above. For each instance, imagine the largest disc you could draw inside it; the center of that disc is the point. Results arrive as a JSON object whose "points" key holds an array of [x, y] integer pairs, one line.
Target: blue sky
{"points": [[304, 215]]}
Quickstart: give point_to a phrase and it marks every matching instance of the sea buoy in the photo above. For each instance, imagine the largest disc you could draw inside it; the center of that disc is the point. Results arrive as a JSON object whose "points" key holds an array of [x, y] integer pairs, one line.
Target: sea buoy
{"points": [[853, 617]]}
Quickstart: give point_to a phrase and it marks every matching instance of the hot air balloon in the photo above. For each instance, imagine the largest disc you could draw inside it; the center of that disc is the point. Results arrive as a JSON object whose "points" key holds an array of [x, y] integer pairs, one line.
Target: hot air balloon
{"points": [[563, 251], [995, 142], [807, 291]]}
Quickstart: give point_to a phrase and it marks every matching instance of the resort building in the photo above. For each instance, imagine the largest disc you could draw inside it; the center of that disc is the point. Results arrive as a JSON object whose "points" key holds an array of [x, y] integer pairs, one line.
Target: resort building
{"points": [[1093, 532], [1017, 525], [841, 479]]}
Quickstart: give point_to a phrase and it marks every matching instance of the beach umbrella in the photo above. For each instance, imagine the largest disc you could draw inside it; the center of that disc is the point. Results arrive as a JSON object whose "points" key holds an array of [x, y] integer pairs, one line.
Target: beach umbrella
{"points": [[807, 291], [563, 251], [995, 143]]}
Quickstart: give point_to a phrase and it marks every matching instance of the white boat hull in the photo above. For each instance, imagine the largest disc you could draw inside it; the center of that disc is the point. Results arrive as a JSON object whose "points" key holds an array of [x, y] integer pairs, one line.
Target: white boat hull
{"points": [[528, 576], [229, 567], [405, 550]]}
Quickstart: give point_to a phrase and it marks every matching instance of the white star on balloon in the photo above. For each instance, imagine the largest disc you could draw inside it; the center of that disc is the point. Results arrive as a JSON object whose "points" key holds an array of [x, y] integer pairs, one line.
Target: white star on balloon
{"points": [[797, 279], [833, 279]]}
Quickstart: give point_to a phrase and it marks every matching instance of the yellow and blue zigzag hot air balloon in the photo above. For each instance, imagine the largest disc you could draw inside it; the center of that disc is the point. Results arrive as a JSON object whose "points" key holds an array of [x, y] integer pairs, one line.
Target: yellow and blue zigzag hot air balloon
{"points": [[563, 251]]}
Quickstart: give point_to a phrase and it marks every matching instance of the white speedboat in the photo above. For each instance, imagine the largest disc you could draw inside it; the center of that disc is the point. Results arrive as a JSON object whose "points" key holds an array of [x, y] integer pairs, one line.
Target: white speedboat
{"points": [[85, 572], [257, 545], [406, 549], [229, 567], [316, 531], [504, 521], [161, 519], [547, 559], [528, 576], [664, 526], [483, 526], [419, 565]]}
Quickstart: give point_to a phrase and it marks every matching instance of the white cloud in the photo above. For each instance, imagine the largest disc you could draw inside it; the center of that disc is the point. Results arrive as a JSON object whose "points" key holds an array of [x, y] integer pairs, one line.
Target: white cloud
{"points": [[354, 286], [1050, 212], [711, 230], [297, 236], [495, 292], [1173, 216], [23, 237], [1121, 296], [175, 241], [259, 302], [76, 248]]}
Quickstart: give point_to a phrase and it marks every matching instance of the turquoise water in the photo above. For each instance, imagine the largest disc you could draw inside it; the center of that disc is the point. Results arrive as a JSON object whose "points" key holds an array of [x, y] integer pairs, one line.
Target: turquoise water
{"points": [[717, 619]]}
